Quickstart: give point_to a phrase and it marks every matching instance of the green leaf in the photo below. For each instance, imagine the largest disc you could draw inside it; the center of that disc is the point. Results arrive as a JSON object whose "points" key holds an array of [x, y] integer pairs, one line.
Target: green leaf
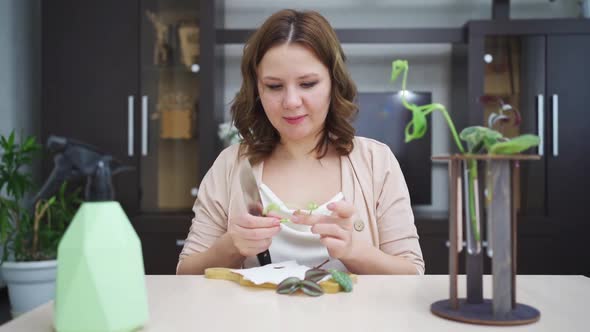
{"points": [[477, 137], [417, 126], [312, 206], [515, 145], [271, 207], [398, 67], [311, 288], [289, 285], [315, 275], [10, 142], [343, 279]]}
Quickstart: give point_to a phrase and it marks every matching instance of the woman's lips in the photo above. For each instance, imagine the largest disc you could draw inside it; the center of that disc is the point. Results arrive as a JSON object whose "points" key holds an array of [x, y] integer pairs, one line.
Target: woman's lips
{"points": [[295, 119]]}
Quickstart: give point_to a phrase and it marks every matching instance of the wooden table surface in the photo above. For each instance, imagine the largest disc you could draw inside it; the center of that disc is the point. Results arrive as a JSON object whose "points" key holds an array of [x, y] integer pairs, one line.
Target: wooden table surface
{"points": [[377, 303]]}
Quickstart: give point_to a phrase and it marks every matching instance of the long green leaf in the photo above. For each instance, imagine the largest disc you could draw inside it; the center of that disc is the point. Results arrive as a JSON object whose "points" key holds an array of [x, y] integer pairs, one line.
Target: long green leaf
{"points": [[515, 145]]}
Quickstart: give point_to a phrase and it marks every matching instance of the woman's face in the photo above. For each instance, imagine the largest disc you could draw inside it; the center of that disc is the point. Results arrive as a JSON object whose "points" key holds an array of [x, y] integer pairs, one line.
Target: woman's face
{"points": [[294, 87]]}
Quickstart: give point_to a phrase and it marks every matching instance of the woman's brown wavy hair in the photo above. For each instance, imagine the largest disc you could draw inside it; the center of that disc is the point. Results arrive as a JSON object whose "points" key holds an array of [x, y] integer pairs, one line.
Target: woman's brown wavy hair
{"points": [[312, 30]]}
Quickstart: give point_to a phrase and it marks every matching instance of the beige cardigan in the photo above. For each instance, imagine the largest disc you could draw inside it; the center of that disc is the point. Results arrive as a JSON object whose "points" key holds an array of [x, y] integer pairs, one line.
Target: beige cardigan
{"points": [[371, 179]]}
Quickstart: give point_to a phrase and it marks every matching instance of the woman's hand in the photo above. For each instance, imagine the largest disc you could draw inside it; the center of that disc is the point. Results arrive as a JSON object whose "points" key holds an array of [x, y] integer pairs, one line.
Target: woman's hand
{"points": [[251, 234], [335, 230]]}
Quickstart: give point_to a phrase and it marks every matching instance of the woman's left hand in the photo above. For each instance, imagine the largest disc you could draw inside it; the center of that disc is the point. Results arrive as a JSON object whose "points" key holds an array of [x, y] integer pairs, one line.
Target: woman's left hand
{"points": [[335, 230]]}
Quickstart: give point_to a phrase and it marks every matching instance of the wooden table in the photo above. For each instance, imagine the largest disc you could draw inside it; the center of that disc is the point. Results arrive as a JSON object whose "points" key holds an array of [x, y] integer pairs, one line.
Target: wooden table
{"points": [[377, 303]]}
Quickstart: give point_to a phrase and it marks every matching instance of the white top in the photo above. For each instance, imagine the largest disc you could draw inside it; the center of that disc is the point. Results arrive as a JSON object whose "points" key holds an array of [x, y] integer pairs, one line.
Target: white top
{"points": [[296, 242]]}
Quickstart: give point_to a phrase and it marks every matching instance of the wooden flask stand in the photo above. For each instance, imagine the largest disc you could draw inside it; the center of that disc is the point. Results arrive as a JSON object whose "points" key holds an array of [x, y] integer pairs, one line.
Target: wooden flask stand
{"points": [[502, 309]]}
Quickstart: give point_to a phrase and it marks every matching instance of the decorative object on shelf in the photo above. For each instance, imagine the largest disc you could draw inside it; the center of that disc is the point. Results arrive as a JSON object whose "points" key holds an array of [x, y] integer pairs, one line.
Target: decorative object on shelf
{"points": [[30, 230], [100, 273], [271, 275], [177, 114], [188, 34], [162, 48], [500, 156]]}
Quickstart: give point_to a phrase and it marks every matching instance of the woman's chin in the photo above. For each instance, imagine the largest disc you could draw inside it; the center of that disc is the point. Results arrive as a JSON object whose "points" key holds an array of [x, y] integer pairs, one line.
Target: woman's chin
{"points": [[296, 135]]}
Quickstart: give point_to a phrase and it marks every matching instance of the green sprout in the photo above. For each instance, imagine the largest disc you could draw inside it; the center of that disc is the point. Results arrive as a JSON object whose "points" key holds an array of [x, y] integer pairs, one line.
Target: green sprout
{"points": [[311, 207], [271, 207], [274, 207]]}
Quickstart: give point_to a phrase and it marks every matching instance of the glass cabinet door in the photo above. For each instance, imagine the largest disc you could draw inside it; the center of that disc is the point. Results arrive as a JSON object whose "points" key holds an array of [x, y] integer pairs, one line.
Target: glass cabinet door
{"points": [[515, 75], [169, 114]]}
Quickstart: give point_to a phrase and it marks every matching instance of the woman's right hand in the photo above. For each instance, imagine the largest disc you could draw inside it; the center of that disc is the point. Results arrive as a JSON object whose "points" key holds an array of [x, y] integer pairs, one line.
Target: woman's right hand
{"points": [[251, 234]]}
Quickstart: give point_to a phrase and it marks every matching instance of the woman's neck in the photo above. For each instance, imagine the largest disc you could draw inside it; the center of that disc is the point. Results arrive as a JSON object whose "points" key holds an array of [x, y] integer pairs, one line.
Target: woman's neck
{"points": [[298, 150]]}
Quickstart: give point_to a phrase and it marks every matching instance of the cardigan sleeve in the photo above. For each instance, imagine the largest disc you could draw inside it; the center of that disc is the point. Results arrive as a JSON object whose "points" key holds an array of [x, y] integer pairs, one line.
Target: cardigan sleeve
{"points": [[395, 219], [210, 208]]}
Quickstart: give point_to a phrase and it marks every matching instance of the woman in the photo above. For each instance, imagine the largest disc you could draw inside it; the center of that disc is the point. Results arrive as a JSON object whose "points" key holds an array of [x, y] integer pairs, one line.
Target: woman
{"points": [[293, 111]]}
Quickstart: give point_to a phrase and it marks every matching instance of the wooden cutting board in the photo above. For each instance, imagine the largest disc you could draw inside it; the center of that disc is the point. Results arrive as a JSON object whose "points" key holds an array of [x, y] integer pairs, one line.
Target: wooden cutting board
{"points": [[329, 286]]}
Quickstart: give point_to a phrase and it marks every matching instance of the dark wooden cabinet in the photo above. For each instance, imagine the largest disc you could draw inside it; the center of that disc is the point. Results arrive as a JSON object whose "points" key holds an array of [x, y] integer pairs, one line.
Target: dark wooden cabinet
{"points": [[88, 71], [537, 66], [139, 79]]}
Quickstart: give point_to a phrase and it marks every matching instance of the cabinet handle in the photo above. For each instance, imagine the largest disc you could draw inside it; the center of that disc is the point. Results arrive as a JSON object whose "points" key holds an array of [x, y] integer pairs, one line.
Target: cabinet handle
{"points": [[130, 111], [555, 106], [144, 125], [180, 243], [541, 123]]}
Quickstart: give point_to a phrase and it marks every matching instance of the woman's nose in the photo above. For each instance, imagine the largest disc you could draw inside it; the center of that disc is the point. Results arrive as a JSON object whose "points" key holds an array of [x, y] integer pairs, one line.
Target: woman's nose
{"points": [[291, 99]]}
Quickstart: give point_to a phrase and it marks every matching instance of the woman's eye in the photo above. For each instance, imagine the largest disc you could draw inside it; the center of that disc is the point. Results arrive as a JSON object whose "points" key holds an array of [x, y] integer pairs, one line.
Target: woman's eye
{"points": [[308, 85], [273, 86]]}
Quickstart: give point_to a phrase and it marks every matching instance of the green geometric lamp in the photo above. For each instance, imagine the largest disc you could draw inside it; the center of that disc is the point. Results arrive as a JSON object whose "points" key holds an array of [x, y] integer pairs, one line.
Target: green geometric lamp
{"points": [[100, 273]]}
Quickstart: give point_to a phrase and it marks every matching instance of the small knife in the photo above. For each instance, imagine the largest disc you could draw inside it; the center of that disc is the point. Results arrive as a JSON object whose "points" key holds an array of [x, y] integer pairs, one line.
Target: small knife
{"points": [[252, 200]]}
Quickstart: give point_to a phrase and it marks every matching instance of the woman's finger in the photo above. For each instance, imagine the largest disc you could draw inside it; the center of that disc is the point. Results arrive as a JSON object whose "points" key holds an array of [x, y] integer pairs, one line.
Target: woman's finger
{"points": [[256, 233], [250, 221], [342, 209], [316, 219], [332, 230]]}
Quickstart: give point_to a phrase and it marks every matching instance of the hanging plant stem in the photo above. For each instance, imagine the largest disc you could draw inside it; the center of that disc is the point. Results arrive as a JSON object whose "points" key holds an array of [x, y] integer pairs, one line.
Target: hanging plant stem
{"points": [[418, 126]]}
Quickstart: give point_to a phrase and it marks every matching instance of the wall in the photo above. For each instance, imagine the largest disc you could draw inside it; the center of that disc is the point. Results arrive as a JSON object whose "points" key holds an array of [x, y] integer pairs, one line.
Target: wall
{"points": [[370, 64], [20, 30], [20, 70]]}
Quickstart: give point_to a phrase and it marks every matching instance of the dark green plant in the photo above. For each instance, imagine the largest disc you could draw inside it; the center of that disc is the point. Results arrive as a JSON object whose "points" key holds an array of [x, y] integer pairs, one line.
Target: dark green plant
{"points": [[29, 233]]}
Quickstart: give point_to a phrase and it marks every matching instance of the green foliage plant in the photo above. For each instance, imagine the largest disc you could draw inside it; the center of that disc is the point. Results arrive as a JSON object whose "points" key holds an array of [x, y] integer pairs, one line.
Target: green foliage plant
{"points": [[29, 232], [479, 139]]}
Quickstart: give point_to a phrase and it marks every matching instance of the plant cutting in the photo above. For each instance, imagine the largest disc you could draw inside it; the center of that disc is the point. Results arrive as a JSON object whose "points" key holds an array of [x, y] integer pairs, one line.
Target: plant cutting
{"points": [[275, 207], [309, 285], [479, 139]]}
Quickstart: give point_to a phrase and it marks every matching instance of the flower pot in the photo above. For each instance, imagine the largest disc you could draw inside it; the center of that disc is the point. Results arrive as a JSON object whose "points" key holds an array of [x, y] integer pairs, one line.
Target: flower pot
{"points": [[30, 284]]}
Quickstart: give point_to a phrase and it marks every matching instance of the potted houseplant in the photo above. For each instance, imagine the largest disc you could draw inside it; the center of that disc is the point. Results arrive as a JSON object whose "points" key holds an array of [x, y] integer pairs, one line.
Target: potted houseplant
{"points": [[500, 155], [479, 140], [29, 231]]}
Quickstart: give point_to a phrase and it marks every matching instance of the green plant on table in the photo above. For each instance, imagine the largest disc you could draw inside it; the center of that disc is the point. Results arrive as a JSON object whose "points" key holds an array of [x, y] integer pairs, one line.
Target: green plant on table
{"points": [[479, 139], [29, 232]]}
